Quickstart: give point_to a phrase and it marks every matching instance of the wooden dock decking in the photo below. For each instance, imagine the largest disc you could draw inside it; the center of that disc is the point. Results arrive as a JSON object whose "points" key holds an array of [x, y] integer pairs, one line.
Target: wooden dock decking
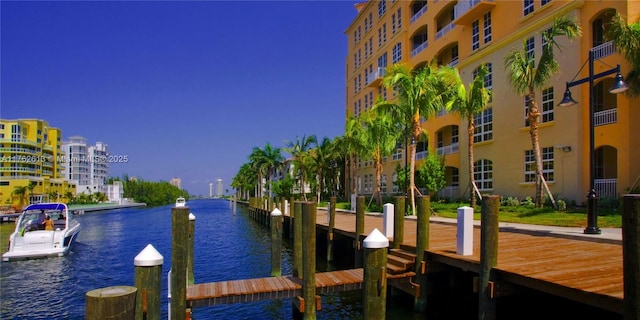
{"points": [[583, 270]]}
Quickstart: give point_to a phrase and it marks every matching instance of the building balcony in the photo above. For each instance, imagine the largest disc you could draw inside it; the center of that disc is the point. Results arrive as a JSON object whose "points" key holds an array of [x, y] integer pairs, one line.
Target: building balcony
{"points": [[374, 78], [18, 169], [21, 141], [466, 12], [419, 48], [445, 30], [606, 188], [418, 14], [452, 148], [608, 116], [18, 150], [422, 154], [604, 50]]}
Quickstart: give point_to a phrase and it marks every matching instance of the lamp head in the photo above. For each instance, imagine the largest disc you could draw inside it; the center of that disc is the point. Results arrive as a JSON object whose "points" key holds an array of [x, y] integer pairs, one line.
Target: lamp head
{"points": [[619, 86], [567, 100]]}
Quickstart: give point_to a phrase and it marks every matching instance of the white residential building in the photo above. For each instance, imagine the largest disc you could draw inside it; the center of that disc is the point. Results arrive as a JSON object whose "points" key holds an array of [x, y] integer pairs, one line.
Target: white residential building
{"points": [[86, 165]]}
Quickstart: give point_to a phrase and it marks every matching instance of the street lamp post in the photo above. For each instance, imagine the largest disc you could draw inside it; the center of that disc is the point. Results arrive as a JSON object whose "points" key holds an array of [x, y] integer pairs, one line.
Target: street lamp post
{"points": [[618, 87]]}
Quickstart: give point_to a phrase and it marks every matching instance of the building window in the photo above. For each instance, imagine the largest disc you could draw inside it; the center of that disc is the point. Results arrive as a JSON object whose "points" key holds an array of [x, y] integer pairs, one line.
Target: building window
{"points": [[384, 33], [359, 33], [366, 50], [371, 98], [355, 37], [488, 79], [396, 189], [397, 52], [475, 35], [526, 111], [455, 177], [382, 91], [543, 2], [547, 105], [370, 20], [382, 61], [454, 134], [530, 165], [366, 25], [484, 126], [527, 7], [383, 183], [483, 174], [531, 49], [382, 8], [393, 23], [487, 27], [399, 18], [371, 46]]}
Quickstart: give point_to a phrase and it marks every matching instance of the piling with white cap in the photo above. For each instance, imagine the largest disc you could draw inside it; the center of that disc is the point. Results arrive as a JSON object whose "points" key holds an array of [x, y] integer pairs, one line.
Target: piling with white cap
{"points": [[387, 219], [375, 275], [148, 279], [276, 242]]}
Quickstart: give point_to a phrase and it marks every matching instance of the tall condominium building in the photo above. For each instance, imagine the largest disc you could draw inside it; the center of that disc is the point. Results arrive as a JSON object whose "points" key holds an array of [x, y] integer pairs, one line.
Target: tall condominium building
{"points": [[467, 34], [219, 190], [85, 164], [29, 168]]}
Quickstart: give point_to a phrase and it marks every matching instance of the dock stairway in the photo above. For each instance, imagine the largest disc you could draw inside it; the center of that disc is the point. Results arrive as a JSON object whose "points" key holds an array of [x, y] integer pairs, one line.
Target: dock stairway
{"points": [[400, 262]]}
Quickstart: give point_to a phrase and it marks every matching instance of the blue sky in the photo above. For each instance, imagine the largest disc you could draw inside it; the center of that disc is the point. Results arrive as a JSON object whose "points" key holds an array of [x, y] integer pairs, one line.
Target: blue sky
{"points": [[183, 89]]}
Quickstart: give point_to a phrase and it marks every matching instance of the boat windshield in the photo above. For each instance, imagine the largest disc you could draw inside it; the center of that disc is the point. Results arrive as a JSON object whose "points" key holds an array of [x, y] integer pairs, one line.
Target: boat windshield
{"points": [[33, 219]]}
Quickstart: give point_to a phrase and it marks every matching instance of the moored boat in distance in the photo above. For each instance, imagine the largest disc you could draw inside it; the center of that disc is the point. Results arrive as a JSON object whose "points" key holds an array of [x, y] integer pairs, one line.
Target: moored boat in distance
{"points": [[181, 202], [30, 240]]}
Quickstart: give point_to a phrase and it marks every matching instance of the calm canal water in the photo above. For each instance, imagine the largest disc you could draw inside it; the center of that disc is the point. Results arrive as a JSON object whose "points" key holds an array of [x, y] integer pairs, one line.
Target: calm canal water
{"points": [[227, 246]]}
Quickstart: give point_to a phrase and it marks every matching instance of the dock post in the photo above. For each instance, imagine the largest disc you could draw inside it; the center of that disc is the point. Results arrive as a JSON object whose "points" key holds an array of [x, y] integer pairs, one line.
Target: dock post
{"points": [[309, 260], [291, 216], [191, 241], [422, 244], [357, 245], [489, 228], [276, 243], [631, 255], [118, 302], [297, 240], [148, 281], [387, 220], [464, 231], [179, 251], [375, 276], [332, 223], [398, 221]]}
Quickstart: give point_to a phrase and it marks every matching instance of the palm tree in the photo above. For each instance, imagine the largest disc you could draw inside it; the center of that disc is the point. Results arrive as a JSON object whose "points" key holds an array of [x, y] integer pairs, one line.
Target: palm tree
{"points": [[468, 103], [299, 151], [321, 158], [351, 143], [626, 39], [244, 180], [380, 136], [20, 192], [421, 94], [525, 76]]}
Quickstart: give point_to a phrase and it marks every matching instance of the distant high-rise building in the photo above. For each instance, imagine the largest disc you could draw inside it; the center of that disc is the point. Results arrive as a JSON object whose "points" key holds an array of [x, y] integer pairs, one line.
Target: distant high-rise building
{"points": [[86, 165], [219, 188], [176, 182], [210, 190]]}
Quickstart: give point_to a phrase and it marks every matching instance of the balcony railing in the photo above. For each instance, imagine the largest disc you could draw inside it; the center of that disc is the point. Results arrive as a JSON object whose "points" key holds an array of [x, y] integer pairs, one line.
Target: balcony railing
{"points": [[603, 50], [454, 62], [25, 141], [375, 76], [418, 14], [449, 192], [18, 150], [608, 116], [444, 30], [452, 148], [422, 154], [465, 11], [419, 48], [606, 188]]}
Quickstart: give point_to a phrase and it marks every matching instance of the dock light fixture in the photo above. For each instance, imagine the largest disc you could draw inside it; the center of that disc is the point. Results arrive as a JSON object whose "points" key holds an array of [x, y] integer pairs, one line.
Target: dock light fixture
{"points": [[618, 86]]}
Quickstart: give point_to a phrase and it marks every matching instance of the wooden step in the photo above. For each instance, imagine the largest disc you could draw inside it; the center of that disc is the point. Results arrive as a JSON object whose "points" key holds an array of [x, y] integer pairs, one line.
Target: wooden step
{"points": [[402, 254], [400, 261], [394, 269]]}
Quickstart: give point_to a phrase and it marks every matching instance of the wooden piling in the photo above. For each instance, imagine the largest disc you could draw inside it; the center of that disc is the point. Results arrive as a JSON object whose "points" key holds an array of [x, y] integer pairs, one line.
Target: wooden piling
{"points": [[398, 221], [297, 241], [291, 215], [375, 276], [276, 243], [631, 255], [332, 223], [357, 245], [489, 228], [148, 282], [117, 303], [309, 259], [179, 251], [191, 242], [422, 245]]}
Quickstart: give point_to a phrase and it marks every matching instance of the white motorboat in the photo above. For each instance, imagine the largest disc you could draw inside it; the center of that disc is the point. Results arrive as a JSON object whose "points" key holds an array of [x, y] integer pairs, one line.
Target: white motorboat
{"points": [[30, 239], [181, 202]]}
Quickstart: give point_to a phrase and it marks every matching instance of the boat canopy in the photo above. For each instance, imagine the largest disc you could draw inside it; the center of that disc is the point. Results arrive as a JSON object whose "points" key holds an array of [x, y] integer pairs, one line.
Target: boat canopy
{"points": [[46, 206]]}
